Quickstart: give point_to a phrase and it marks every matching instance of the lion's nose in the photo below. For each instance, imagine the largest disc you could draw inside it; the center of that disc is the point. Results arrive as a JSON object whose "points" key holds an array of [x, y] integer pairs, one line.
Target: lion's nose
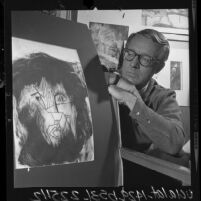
{"points": [[57, 116]]}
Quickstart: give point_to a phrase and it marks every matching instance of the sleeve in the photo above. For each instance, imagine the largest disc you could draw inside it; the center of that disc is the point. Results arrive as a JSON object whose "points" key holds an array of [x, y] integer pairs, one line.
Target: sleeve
{"points": [[162, 126]]}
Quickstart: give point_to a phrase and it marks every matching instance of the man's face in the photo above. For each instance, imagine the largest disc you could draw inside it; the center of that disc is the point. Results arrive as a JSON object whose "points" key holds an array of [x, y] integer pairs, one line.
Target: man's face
{"points": [[133, 71]]}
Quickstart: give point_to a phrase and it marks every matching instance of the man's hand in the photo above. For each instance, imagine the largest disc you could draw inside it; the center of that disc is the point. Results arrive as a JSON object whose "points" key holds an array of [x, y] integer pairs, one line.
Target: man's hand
{"points": [[128, 86], [123, 96], [124, 91]]}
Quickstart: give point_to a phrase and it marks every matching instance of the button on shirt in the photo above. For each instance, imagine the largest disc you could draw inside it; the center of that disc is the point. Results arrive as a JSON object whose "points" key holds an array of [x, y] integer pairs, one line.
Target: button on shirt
{"points": [[137, 113]]}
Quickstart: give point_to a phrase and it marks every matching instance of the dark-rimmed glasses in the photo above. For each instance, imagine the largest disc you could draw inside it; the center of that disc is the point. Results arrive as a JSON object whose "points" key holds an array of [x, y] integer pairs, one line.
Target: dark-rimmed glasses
{"points": [[144, 60]]}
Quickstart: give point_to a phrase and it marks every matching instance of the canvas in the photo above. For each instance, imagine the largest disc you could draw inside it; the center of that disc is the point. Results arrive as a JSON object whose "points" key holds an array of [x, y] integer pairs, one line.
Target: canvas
{"points": [[52, 122], [108, 40]]}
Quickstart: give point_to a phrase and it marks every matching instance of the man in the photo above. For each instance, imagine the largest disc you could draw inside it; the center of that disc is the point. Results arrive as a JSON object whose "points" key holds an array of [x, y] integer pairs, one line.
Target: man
{"points": [[154, 115]]}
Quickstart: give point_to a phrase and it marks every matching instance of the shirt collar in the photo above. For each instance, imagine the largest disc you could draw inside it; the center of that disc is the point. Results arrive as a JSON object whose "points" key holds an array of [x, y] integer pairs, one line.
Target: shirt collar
{"points": [[142, 91], [145, 91]]}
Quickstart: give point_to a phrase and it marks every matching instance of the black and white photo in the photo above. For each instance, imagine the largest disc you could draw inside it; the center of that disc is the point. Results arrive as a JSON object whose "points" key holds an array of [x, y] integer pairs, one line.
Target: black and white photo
{"points": [[51, 110]]}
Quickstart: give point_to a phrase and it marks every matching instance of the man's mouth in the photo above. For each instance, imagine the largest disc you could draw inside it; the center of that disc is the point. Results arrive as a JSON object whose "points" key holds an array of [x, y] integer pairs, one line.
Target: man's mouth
{"points": [[131, 74], [133, 77]]}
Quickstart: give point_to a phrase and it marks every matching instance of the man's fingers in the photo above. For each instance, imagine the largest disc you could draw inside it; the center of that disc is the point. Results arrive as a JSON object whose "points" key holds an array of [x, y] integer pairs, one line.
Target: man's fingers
{"points": [[122, 96], [117, 92], [121, 83], [126, 85], [112, 78]]}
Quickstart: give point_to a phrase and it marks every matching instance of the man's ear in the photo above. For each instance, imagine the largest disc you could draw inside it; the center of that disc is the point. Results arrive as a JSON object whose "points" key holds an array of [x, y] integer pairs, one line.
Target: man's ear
{"points": [[159, 67]]}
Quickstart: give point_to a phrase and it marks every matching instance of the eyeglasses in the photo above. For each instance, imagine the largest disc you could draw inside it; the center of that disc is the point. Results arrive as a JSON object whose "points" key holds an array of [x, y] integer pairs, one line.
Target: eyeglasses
{"points": [[144, 60]]}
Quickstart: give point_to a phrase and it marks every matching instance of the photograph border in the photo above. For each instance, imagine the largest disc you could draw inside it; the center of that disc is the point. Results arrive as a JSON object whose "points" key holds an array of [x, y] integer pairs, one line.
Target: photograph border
{"points": [[26, 193]]}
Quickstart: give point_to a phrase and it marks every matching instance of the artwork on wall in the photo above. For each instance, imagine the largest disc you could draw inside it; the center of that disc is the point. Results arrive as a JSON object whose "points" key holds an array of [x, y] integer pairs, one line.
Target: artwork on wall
{"points": [[52, 122], [168, 18], [108, 40], [175, 75], [173, 23], [55, 13], [65, 14]]}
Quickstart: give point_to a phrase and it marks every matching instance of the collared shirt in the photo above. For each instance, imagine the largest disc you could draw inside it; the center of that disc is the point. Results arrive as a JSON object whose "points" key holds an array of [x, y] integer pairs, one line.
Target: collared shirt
{"points": [[155, 121], [141, 91]]}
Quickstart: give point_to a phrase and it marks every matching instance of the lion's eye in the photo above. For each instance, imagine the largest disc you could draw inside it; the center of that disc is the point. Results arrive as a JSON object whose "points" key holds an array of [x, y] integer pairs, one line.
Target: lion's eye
{"points": [[60, 98], [38, 98]]}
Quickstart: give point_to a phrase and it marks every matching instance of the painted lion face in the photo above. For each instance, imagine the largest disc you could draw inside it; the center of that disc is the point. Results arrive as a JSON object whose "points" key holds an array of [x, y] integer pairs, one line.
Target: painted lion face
{"points": [[52, 108]]}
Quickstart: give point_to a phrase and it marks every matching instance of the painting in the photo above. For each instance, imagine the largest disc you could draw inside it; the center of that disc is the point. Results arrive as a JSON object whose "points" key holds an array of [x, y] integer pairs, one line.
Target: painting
{"points": [[175, 75], [65, 14], [108, 40], [167, 18], [55, 13], [52, 121]]}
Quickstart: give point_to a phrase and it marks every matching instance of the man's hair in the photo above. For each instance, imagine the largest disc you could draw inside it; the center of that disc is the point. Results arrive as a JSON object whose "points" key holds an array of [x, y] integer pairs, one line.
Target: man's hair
{"points": [[156, 37]]}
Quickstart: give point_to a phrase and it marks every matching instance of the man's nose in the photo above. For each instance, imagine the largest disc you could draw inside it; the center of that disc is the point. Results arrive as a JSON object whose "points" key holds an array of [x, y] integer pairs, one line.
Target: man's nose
{"points": [[135, 63]]}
